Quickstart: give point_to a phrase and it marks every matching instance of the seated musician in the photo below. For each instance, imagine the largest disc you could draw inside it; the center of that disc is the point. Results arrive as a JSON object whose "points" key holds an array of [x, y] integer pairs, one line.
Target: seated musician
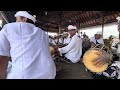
{"points": [[50, 39], [97, 39], [87, 44], [103, 59], [73, 51], [66, 38]]}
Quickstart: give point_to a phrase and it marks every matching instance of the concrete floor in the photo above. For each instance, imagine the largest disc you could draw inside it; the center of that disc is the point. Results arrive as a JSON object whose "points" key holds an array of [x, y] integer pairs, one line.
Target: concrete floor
{"points": [[72, 71]]}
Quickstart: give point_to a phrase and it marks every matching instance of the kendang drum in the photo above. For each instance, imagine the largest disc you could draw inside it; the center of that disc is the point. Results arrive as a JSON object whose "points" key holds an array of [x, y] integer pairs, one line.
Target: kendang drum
{"points": [[91, 55]]}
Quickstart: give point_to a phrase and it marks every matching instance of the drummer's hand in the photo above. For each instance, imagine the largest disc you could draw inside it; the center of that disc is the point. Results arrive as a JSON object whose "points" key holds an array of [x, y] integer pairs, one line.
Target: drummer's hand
{"points": [[103, 59]]}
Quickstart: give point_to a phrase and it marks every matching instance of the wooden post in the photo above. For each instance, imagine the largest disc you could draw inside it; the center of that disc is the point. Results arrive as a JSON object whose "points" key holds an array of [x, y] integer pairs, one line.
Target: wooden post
{"points": [[59, 29], [60, 23], [79, 28], [4, 16], [102, 25]]}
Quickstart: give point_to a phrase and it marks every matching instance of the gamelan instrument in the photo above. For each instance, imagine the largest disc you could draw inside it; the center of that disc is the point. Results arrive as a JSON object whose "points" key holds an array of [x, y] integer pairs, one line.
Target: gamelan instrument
{"points": [[91, 55]]}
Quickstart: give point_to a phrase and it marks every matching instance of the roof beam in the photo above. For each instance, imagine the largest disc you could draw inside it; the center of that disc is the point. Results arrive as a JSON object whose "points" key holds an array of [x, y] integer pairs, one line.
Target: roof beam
{"points": [[98, 19]]}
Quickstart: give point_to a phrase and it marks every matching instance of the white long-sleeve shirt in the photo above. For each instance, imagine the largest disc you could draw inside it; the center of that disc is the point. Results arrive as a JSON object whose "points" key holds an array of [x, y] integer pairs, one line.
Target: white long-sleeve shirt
{"points": [[73, 50], [28, 47], [92, 39], [67, 40]]}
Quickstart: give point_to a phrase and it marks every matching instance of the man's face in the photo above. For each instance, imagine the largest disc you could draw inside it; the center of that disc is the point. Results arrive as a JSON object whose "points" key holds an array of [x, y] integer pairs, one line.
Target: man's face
{"points": [[72, 32], [97, 36]]}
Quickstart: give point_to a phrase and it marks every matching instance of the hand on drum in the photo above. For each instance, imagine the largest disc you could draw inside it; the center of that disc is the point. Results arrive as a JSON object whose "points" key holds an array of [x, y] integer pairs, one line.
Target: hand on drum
{"points": [[103, 59]]}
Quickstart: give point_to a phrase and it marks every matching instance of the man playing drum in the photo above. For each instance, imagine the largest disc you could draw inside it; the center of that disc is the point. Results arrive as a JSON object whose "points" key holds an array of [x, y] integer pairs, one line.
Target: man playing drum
{"points": [[73, 51], [97, 39]]}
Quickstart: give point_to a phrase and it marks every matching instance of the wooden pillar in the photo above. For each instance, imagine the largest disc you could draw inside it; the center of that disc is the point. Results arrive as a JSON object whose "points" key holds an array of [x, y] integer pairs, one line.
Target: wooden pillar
{"points": [[4, 16], [102, 25], [59, 29], [60, 23], [79, 28]]}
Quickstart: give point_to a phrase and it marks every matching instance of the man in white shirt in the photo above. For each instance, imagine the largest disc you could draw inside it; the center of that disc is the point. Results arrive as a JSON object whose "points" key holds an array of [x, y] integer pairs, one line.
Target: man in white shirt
{"points": [[103, 58], [97, 39], [55, 40], [28, 47], [73, 51], [67, 38], [50, 39]]}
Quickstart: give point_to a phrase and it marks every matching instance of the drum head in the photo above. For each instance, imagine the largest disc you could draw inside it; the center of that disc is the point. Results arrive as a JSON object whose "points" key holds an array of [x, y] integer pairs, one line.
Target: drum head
{"points": [[88, 57]]}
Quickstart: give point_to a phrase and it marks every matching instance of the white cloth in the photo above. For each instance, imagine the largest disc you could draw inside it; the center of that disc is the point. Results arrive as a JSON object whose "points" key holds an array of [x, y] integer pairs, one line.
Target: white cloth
{"points": [[25, 14], [100, 33], [9, 67], [72, 27], [67, 40], [73, 50], [118, 75], [118, 49], [60, 40], [118, 18], [92, 39], [28, 47], [117, 63]]}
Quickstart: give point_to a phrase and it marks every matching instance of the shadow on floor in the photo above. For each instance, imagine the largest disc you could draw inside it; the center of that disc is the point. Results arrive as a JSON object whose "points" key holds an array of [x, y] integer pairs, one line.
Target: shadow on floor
{"points": [[72, 71]]}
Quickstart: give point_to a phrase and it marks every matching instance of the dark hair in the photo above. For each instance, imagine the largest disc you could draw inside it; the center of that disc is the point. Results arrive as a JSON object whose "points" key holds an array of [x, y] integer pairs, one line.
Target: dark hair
{"points": [[28, 20]]}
